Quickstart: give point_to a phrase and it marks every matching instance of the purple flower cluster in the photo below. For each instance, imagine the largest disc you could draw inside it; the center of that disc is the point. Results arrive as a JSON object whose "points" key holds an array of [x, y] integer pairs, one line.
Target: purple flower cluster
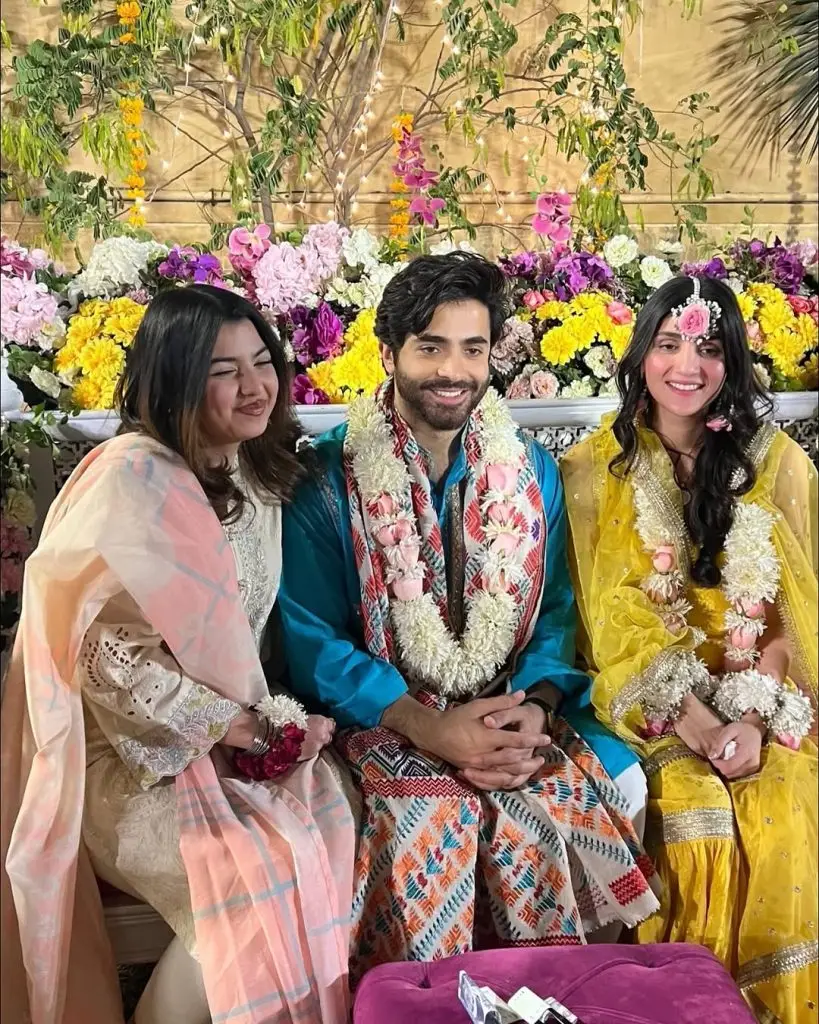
{"points": [[535, 266], [580, 272], [715, 269], [782, 265], [318, 334], [184, 263], [306, 393]]}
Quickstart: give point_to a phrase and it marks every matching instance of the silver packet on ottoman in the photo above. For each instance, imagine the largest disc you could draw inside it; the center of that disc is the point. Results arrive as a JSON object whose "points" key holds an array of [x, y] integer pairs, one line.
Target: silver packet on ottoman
{"points": [[478, 1005]]}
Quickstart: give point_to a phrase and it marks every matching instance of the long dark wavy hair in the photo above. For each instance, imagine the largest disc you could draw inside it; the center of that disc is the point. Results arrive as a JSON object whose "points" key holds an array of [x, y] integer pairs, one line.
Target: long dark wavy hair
{"points": [[162, 389], [709, 510]]}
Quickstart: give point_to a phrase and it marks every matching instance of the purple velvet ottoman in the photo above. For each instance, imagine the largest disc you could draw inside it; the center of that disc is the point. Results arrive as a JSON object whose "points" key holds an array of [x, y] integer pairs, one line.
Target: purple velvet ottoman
{"points": [[662, 984]]}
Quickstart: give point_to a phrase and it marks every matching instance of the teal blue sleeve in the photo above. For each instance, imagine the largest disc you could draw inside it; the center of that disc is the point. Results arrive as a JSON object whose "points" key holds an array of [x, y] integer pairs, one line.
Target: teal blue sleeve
{"points": [[327, 661], [550, 654]]}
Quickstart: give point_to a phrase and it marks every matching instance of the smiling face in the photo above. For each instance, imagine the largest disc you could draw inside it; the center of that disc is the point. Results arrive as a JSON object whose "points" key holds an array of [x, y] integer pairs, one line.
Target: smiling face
{"points": [[241, 389], [683, 377], [443, 373]]}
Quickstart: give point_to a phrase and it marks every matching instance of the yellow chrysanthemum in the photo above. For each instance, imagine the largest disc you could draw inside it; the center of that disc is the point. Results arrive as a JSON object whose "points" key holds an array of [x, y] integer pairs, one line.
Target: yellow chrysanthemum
{"points": [[102, 356], [553, 311], [619, 338], [358, 370], [785, 349], [86, 394], [747, 306], [82, 328], [807, 331], [809, 373], [559, 345]]}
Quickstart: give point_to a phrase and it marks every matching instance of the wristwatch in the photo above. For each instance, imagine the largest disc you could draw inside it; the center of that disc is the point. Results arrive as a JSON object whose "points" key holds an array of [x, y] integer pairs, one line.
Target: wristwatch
{"points": [[547, 709]]}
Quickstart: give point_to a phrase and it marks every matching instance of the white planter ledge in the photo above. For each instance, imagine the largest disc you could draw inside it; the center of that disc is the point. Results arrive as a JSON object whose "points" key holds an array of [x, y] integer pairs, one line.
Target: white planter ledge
{"points": [[536, 415]]}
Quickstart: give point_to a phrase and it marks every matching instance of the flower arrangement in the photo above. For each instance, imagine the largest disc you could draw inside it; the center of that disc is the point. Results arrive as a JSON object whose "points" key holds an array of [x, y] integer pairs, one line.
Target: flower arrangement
{"points": [[65, 336], [93, 357]]}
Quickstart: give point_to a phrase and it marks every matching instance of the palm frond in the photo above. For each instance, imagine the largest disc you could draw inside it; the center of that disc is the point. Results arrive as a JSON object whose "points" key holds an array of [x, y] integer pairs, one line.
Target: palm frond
{"points": [[767, 62]]}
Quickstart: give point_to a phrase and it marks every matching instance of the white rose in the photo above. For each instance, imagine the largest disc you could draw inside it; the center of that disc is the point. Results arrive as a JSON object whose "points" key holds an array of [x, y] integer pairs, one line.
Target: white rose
{"points": [[600, 361], [610, 389], [654, 271], [579, 389], [45, 381], [735, 283], [620, 250]]}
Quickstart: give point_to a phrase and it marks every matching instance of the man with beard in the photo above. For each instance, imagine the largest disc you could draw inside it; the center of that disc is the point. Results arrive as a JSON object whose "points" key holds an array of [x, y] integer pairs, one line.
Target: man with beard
{"points": [[427, 608]]}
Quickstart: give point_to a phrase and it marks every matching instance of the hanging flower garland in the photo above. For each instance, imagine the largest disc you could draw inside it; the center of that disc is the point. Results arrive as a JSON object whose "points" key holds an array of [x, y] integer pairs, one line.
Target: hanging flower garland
{"points": [[399, 204], [131, 108]]}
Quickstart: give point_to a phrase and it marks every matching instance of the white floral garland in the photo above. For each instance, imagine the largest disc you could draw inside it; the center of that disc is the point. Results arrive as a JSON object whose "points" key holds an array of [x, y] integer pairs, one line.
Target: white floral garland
{"points": [[282, 710], [750, 578], [426, 646]]}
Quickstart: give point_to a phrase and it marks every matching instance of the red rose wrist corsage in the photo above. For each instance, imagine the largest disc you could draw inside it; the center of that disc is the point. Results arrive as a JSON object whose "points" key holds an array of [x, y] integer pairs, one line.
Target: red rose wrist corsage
{"points": [[278, 741]]}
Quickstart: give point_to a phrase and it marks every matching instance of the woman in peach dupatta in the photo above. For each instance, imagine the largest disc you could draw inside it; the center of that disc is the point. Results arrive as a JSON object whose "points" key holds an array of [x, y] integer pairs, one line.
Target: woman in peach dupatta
{"points": [[135, 669]]}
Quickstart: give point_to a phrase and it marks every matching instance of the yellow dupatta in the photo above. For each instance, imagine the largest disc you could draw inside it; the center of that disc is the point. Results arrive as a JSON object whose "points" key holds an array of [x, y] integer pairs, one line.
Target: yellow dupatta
{"points": [[270, 891], [738, 859], [622, 638]]}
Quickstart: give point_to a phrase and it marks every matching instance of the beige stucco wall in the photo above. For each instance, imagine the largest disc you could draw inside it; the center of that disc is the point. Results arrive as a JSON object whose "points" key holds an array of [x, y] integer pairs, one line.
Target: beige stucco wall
{"points": [[667, 57]]}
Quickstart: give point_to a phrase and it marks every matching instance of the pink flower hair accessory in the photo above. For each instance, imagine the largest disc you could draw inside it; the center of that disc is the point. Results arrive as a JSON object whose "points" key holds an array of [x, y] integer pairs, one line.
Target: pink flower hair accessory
{"points": [[718, 423], [696, 317]]}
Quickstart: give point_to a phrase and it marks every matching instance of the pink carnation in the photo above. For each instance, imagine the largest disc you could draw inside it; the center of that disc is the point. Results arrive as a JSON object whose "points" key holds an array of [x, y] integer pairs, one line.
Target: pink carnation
{"points": [[25, 308], [619, 313], [694, 321], [799, 304], [520, 386], [543, 384]]}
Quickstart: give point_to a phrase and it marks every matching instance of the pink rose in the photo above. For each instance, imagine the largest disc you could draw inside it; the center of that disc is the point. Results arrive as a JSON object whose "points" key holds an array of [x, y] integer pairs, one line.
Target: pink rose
{"points": [[392, 534], [506, 543], [664, 559], [694, 321], [519, 388], [619, 313], [654, 727], [754, 335], [383, 507], [743, 639], [543, 384], [787, 740], [797, 302], [753, 609], [548, 296], [408, 589], [502, 477], [500, 512], [532, 300]]}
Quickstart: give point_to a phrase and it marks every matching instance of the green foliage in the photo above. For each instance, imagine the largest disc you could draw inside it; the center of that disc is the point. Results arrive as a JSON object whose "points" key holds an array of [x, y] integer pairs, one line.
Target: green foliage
{"points": [[315, 66], [768, 61]]}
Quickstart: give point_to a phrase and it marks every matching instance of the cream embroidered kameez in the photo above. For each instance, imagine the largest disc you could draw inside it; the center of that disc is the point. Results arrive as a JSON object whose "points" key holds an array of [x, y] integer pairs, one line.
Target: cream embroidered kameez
{"points": [[738, 859]]}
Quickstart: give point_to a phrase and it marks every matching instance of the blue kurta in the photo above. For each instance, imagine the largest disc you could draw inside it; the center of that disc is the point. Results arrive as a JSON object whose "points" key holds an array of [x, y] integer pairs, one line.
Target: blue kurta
{"points": [[329, 665]]}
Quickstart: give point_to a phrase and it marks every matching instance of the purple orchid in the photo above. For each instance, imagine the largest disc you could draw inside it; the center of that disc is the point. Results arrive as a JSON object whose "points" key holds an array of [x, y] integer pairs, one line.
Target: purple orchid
{"points": [[580, 272]]}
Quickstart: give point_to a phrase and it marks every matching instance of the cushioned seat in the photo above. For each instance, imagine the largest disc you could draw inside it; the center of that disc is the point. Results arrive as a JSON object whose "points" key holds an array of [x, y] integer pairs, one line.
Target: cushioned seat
{"points": [[662, 984]]}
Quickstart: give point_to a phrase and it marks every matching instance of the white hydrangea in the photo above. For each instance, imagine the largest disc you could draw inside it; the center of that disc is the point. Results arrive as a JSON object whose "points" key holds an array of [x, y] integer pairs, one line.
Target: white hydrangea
{"points": [[609, 389], [654, 271], [620, 250], [446, 246], [600, 361], [360, 248], [583, 388], [366, 293], [116, 263]]}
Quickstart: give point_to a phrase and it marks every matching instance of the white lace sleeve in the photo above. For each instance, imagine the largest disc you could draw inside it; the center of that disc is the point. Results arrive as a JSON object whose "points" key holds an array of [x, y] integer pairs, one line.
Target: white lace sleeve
{"points": [[156, 718]]}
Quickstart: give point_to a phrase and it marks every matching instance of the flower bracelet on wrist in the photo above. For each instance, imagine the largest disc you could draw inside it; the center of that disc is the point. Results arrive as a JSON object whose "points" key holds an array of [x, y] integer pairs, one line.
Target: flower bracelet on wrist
{"points": [[787, 714], [277, 742], [679, 675]]}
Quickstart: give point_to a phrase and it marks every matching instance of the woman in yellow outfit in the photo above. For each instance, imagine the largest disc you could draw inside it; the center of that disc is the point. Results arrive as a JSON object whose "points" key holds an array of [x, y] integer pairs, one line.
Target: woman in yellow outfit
{"points": [[694, 555]]}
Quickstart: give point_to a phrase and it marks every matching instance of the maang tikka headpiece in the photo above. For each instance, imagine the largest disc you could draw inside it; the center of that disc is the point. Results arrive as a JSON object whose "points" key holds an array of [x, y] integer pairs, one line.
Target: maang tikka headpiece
{"points": [[696, 317]]}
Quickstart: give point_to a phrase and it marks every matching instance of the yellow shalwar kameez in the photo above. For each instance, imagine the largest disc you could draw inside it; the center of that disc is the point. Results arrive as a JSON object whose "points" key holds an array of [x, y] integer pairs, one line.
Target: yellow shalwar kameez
{"points": [[738, 859]]}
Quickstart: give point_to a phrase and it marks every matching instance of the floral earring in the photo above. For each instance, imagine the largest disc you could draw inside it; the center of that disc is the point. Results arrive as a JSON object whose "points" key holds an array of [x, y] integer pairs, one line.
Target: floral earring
{"points": [[720, 422]]}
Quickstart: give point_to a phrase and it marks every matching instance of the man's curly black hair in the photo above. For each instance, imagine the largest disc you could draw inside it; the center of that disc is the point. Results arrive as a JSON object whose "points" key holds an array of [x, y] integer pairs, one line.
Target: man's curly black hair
{"points": [[413, 295]]}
